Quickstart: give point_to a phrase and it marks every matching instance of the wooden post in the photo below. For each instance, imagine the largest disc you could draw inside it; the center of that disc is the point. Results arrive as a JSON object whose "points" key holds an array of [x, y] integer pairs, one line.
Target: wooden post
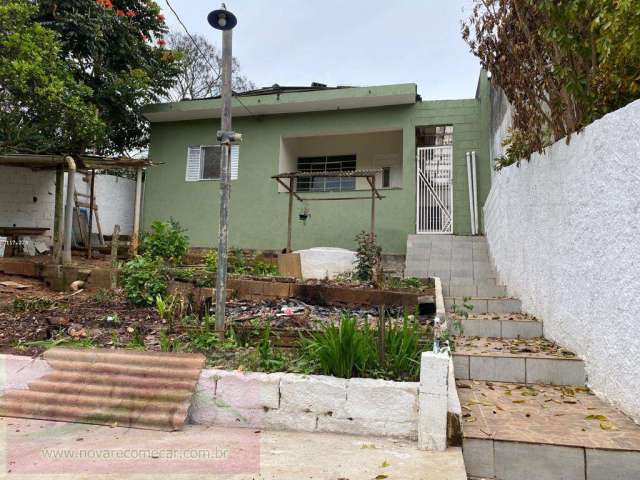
{"points": [[91, 206], [381, 333], [115, 240], [57, 217], [290, 221], [373, 208]]}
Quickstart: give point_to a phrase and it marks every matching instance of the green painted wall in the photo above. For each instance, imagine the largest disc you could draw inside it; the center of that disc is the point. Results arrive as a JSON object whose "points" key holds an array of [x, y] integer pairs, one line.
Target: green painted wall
{"points": [[259, 213]]}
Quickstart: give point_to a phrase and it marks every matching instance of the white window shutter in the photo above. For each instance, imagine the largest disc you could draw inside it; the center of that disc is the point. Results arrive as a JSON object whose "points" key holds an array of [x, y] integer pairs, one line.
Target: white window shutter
{"points": [[235, 161], [193, 163]]}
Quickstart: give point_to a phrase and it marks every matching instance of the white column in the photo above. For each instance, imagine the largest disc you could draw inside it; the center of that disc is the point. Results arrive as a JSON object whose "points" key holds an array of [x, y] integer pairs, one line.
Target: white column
{"points": [[432, 415]]}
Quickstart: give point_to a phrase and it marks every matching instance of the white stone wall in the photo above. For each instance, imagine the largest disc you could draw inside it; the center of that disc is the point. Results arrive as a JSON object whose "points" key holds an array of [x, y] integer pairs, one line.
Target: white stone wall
{"points": [[27, 199], [313, 403], [564, 233]]}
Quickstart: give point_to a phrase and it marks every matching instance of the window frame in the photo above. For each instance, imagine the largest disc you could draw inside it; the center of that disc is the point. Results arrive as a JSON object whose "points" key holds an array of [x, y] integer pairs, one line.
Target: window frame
{"points": [[327, 159]]}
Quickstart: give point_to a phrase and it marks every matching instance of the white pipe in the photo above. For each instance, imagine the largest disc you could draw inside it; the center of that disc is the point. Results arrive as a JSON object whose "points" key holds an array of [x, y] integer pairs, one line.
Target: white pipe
{"points": [[475, 193], [469, 183], [136, 213], [68, 210]]}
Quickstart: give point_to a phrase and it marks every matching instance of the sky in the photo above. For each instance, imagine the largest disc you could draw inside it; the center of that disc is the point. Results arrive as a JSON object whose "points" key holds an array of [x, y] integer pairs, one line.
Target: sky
{"points": [[348, 42]]}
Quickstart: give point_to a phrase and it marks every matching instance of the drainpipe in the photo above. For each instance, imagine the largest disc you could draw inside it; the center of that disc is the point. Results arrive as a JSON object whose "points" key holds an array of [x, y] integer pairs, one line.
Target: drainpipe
{"points": [[470, 185], [475, 193], [68, 211]]}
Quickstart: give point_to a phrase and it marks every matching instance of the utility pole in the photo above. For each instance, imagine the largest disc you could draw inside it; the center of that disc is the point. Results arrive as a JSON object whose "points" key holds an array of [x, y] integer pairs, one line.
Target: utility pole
{"points": [[224, 20]]}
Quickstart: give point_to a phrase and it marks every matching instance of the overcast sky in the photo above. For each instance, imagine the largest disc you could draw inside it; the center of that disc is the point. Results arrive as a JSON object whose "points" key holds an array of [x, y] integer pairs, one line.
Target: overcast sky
{"points": [[347, 42]]}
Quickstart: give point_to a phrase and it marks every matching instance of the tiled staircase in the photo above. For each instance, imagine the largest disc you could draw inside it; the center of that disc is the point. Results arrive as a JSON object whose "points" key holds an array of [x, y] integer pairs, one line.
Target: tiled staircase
{"points": [[527, 413]]}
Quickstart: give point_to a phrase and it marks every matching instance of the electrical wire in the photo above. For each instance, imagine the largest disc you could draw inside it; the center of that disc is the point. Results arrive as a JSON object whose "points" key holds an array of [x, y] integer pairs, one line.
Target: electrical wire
{"points": [[195, 44]]}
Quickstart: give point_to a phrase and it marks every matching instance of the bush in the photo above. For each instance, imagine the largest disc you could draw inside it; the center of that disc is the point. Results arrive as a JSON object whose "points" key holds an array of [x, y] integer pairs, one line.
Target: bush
{"points": [[344, 350], [403, 350], [143, 279], [166, 240], [367, 257]]}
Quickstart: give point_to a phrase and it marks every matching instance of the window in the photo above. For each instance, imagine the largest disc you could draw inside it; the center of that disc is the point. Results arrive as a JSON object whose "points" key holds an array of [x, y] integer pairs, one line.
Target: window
{"points": [[203, 162], [328, 164], [434, 136]]}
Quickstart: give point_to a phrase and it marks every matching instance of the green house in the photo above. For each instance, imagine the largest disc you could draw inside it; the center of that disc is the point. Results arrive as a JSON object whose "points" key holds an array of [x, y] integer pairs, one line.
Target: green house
{"points": [[418, 149]]}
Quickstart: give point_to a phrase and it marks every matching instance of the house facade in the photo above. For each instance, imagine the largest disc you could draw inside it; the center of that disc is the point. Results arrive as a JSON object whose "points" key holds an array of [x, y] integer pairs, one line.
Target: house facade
{"points": [[419, 149]]}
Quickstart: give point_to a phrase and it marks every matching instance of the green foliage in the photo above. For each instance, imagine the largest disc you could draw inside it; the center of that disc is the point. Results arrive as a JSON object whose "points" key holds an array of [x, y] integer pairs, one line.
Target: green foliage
{"points": [[264, 269], [344, 350], [44, 108], [144, 279], [409, 283], [270, 360], [240, 264], [115, 48], [58, 341], [211, 260], [368, 257], [166, 240], [103, 297], [561, 64], [137, 341], [403, 350]]}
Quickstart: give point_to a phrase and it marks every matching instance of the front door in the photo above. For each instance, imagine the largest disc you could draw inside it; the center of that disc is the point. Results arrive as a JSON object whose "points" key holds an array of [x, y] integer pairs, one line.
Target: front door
{"points": [[434, 190]]}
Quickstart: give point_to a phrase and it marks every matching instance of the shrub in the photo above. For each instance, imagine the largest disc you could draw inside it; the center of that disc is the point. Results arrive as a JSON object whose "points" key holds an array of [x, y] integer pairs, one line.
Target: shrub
{"points": [[166, 240], [344, 350], [144, 279], [403, 350], [367, 257]]}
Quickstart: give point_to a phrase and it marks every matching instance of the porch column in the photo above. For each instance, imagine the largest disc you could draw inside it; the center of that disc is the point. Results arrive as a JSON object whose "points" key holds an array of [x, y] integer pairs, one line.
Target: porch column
{"points": [[58, 214], [68, 211]]}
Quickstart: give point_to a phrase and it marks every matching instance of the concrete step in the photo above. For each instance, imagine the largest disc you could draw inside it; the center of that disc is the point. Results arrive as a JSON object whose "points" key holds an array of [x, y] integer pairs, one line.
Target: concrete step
{"points": [[482, 305], [478, 289], [516, 432], [531, 361], [511, 325]]}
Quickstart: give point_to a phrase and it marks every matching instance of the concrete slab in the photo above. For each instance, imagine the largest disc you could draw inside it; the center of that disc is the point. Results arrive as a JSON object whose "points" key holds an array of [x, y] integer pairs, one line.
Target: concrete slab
{"points": [[518, 461], [504, 305], [612, 465], [461, 366], [478, 457], [497, 369], [522, 329], [481, 328], [43, 450], [555, 372]]}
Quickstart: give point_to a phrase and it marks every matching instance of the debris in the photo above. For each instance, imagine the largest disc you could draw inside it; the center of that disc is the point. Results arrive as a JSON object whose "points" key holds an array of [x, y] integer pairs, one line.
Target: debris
{"points": [[16, 285], [77, 285]]}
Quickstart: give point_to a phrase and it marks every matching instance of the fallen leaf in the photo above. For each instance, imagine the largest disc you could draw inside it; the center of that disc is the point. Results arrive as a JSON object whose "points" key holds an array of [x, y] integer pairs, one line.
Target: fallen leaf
{"points": [[385, 464]]}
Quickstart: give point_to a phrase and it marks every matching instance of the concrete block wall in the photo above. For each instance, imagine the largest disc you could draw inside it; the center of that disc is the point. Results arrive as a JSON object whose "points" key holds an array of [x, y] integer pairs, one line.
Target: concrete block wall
{"points": [[18, 371], [27, 198], [314, 403], [563, 233]]}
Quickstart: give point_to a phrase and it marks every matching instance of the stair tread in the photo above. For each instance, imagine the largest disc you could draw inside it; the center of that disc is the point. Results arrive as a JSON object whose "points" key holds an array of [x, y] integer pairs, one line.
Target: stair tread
{"points": [[552, 415], [538, 347]]}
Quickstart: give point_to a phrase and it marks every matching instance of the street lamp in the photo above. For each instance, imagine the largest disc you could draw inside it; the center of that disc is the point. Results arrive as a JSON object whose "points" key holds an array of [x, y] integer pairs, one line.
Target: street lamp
{"points": [[224, 20]]}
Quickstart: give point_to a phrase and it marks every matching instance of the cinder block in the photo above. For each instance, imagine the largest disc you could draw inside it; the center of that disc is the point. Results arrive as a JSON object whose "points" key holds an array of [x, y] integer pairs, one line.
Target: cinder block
{"points": [[612, 464], [497, 369], [312, 393], [249, 390], [461, 366], [380, 400], [517, 461], [478, 457], [522, 329], [434, 371], [504, 305], [358, 426], [203, 410], [432, 423], [481, 328], [555, 371], [462, 291], [485, 289], [285, 420]]}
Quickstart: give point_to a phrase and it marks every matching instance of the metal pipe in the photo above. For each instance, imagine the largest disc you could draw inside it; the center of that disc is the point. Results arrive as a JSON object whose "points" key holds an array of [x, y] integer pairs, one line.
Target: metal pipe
{"points": [[475, 193], [225, 186], [469, 184], [135, 239], [68, 211]]}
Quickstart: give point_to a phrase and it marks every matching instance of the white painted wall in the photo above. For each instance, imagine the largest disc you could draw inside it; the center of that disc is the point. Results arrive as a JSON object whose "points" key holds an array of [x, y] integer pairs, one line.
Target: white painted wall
{"points": [[564, 233], [27, 199]]}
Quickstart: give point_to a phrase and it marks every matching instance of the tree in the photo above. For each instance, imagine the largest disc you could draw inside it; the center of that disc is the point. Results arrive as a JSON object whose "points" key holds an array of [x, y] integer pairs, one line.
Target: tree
{"points": [[197, 78], [42, 107], [561, 63], [116, 49]]}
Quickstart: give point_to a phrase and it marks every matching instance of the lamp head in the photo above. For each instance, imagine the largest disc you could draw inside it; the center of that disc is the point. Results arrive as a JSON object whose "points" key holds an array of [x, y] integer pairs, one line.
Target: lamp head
{"points": [[222, 19]]}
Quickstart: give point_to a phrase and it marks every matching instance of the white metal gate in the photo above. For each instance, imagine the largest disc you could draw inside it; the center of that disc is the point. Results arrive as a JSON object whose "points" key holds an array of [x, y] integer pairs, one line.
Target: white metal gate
{"points": [[435, 190]]}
